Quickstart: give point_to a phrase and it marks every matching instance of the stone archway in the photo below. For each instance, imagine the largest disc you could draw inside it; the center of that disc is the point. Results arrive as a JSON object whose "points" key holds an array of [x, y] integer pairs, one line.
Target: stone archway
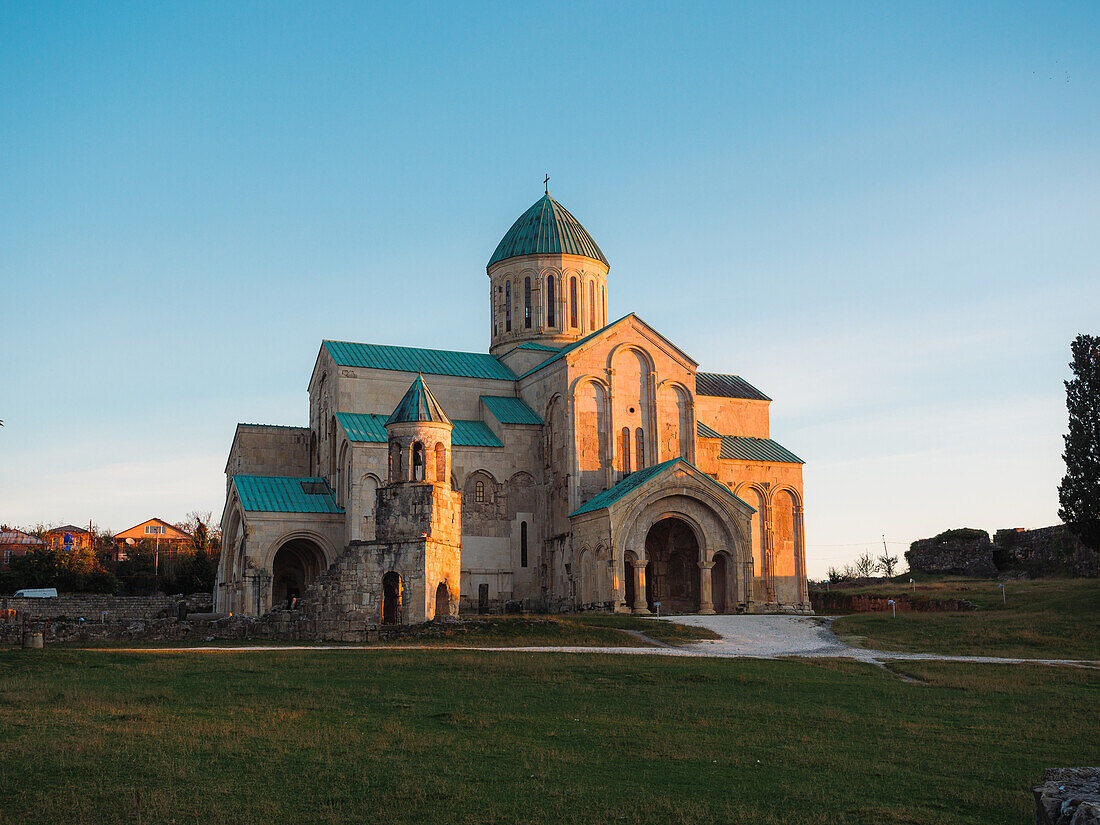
{"points": [[672, 572], [295, 565], [392, 598], [442, 602]]}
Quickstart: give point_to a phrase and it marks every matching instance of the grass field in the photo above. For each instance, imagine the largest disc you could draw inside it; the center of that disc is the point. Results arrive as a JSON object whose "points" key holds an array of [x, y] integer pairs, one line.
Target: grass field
{"points": [[443, 736], [1044, 618], [579, 630]]}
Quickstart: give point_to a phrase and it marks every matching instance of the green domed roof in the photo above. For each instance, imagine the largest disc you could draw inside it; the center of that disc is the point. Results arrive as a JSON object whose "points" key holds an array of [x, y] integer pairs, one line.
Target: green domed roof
{"points": [[418, 405], [547, 228]]}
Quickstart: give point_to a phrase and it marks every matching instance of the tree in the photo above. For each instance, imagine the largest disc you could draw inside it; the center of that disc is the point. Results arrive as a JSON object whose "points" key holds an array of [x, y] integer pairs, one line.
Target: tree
{"points": [[887, 563], [1079, 492], [865, 566]]}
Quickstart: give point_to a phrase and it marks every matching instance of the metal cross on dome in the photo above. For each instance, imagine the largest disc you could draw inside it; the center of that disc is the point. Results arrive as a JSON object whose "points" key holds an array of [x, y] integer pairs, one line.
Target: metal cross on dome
{"points": [[546, 183]]}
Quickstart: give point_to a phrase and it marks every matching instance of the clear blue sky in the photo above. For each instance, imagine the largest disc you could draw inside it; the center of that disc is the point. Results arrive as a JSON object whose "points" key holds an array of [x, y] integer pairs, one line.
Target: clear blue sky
{"points": [[884, 215]]}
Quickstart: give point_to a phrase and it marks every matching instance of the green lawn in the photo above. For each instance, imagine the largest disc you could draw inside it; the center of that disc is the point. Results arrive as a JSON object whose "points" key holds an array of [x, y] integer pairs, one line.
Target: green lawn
{"points": [[460, 737], [575, 629], [1044, 618]]}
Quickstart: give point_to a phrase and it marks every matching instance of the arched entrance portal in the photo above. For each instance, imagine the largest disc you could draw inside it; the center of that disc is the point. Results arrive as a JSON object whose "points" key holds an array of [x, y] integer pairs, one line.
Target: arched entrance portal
{"points": [[296, 564], [672, 574], [392, 597], [442, 602]]}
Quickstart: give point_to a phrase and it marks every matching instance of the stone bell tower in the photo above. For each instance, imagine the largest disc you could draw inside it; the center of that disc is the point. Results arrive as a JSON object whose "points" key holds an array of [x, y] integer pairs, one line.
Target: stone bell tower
{"points": [[418, 517]]}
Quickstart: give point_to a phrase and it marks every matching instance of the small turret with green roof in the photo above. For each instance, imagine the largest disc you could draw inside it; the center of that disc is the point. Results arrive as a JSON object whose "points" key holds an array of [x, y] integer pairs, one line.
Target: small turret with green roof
{"points": [[418, 404]]}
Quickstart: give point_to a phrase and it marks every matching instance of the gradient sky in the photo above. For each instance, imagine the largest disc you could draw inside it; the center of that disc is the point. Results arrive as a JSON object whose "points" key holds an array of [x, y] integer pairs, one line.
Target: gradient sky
{"points": [[886, 216]]}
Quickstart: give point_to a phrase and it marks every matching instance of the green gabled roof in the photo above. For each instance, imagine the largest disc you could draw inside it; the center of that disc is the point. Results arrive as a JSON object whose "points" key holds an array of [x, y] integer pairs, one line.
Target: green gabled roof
{"points": [[563, 352], [726, 386], [474, 434], [546, 228], [706, 432], [613, 494], [510, 410], [364, 426], [284, 494], [742, 448], [371, 428], [539, 347], [418, 404], [412, 359], [635, 480]]}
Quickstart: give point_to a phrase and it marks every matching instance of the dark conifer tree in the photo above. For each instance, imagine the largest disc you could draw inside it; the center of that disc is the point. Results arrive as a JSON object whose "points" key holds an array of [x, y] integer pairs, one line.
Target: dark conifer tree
{"points": [[1079, 492]]}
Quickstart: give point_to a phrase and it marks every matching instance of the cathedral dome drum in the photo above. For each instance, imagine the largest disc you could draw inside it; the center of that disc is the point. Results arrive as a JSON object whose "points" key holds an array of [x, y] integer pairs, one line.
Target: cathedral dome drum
{"points": [[547, 281]]}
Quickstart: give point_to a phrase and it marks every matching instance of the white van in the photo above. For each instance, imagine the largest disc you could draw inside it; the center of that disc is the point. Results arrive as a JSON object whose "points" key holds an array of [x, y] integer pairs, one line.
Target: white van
{"points": [[37, 593]]}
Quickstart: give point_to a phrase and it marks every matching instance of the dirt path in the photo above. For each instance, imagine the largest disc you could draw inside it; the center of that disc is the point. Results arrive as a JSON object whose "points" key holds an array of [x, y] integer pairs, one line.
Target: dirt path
{"points": [[755, 637]]}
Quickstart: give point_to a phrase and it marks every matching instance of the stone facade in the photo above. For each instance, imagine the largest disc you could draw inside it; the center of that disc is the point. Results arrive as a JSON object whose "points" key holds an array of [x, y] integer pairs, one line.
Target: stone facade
{"points": [[566, 409]]}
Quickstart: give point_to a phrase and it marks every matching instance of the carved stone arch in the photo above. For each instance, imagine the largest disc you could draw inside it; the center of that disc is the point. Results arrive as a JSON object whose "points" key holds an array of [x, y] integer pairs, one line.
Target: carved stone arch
{"points": [[728, 522], [675, 431], [786, 488], [617, 350], [323, 543], [585, 379], [489, 476]]}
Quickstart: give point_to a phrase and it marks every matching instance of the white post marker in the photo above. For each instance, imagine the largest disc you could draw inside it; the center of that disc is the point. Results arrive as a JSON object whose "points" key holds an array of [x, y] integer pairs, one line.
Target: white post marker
{"points": [[914, 586], [1004, 599], [893, 607], [658, 606]]}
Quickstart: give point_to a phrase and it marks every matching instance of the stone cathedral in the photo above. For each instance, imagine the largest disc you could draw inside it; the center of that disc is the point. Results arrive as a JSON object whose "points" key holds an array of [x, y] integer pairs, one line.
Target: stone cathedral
{"points": [[581, 463]]}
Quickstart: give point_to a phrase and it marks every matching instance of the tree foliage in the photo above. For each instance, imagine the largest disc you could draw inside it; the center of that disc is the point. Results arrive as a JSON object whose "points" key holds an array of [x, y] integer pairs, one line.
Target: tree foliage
{"points": [[887, 564], [1079, 492]]}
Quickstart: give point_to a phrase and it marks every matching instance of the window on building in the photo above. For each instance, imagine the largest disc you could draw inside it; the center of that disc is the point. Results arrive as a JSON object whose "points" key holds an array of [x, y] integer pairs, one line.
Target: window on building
{"points": [[508, 307], [494, 299], [626, 450], [527, 303], [523, 544], [550, 301], [150, 529], [639, 440], [573, 301], [591, 304], [479, 492], [418, 461]]}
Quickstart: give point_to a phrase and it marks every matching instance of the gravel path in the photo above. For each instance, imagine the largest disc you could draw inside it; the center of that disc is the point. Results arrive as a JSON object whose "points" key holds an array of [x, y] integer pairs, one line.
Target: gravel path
{"points": [[755, 637]]}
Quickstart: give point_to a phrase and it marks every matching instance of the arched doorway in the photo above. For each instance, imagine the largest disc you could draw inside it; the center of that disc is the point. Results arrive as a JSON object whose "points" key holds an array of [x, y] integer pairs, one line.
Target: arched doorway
{"points": [[392, 597], [442, 602], [672, 574], [295, 565], [719, 582]]}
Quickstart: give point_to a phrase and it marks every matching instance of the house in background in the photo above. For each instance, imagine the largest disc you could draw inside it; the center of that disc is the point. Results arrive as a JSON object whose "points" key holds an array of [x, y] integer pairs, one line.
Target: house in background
{"points": [[162, 536], [16, 543], [69, 538]]}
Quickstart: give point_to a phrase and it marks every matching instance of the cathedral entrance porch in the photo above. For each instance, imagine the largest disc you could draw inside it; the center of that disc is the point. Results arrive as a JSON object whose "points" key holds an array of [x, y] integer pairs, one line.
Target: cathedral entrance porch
{"points": [[673, 576], [295, 565]]}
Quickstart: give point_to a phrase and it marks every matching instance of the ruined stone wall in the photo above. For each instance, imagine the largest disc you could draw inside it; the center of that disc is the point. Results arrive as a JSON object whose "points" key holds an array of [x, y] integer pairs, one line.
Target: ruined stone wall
{"points": [[91, 606], [1048, 551], [955, 552]]}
